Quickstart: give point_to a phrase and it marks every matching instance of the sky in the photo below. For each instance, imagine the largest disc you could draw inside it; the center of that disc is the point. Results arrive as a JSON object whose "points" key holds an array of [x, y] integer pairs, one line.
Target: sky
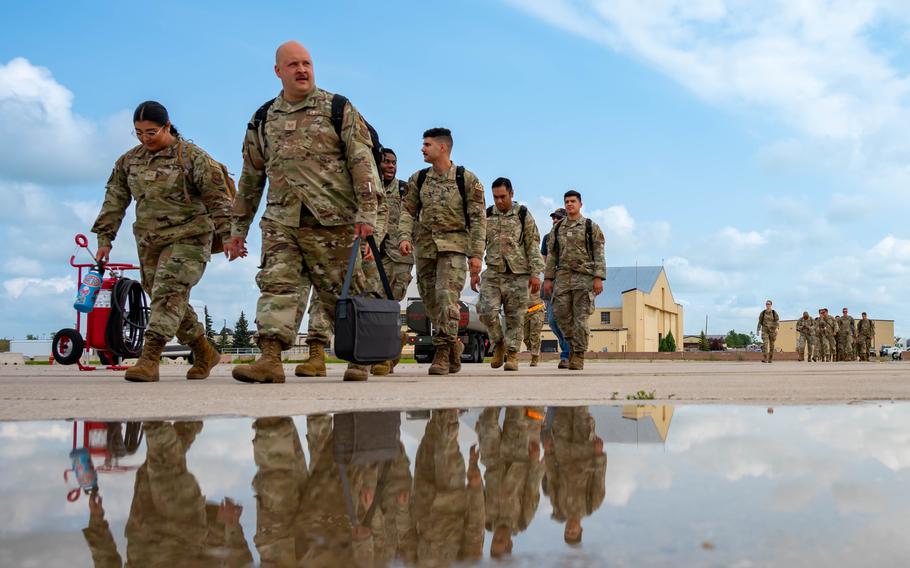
{"points": [[756, 150]]}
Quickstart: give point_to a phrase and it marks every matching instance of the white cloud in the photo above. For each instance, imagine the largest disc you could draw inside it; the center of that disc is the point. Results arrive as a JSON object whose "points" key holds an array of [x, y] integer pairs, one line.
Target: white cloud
{"points": [[33, 287], [20, 265], [813, 65], [43, 140], [615, 220], [741, 239]]}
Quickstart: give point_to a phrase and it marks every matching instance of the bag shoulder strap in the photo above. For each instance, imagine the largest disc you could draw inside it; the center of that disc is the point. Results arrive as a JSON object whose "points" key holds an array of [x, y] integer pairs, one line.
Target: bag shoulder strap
{"points": [[555, 244], [489, 211], [355, 250], [589, 237], [522, 216], [337, 115], [402, 188]]}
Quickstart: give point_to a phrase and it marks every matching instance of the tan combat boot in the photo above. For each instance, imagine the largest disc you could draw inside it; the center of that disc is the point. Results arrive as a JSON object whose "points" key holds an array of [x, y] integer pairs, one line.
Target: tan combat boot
{"points": [[563, 363], [499, 354], [315, 363], [440, 365], [455, 352], [205, 357], [356, 372], [770, 356], [511, 361], [535, 360], [381, 369], [577, 361], [394, 362], [146, 368], [266, 369]]}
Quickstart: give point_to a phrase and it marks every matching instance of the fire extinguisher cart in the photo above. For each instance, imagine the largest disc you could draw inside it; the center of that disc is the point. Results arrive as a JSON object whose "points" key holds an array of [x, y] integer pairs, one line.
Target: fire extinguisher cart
{"points": [[112, 338]]}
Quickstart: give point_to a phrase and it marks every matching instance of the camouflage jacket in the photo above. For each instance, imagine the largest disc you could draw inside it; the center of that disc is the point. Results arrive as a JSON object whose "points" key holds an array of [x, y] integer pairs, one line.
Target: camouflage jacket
{"points": [[511, 248], [865, 328], [768, 321], [805, 326], [577, 266], [432, 218], [394, 200], [169, 207], [827, 327], [847, 326], [300, 154]]}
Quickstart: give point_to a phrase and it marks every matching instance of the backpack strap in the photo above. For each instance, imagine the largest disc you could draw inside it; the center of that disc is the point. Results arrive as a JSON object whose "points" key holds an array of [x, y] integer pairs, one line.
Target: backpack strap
{"points": [[421, 178], [402, 188], [459, 181], [555, 244], [337, 117], [258, 122], [522, 216], [589, 237], [489, 211], [187, 176]]}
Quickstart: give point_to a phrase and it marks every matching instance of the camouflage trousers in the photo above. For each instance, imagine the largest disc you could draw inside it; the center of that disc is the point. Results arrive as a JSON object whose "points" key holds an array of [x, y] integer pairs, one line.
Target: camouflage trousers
{"points": [[167, 521], [845, 347], [768, 337], [572, 309], [510, 291], [293, 257], [399, 275], [533, 325], [169, 271], [805, 343], [863, 345], [440, 281], [826, 347]]}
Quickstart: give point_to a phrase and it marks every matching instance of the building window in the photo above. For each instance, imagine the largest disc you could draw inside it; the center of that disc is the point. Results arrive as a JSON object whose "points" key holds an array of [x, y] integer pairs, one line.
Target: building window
{"points": [[605, 317]]}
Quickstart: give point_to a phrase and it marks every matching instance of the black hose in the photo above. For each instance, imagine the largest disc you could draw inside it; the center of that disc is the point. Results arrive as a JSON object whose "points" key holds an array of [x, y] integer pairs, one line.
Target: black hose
{"points": [[125, 331]]}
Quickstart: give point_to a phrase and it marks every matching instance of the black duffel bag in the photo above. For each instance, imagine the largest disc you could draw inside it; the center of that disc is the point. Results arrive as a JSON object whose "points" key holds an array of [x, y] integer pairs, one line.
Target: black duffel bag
{"points": [[367, 330]]}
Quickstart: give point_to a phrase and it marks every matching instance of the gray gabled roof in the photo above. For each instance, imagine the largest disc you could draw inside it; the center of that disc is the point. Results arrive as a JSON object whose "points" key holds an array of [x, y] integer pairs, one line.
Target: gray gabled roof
{"points": [[623, 278]]}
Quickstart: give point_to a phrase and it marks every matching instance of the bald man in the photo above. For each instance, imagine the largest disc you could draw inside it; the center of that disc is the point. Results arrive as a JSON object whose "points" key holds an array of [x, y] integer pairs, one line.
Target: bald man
{"points": [[323, 191]]}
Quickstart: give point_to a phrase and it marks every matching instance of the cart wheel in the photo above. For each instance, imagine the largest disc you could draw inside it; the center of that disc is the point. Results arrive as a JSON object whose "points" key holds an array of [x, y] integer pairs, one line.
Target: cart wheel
{"points": [[67, 346], [108, 358]]}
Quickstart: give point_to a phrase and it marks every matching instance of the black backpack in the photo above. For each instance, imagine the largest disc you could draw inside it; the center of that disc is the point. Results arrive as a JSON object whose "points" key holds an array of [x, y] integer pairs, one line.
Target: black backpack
{"points": [[337, 118], [589, 239], [459, 181], [522, 215]]}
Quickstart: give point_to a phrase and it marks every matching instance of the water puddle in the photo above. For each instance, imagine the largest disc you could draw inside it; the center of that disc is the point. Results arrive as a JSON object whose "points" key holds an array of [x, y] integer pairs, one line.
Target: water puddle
{"points": [[634, 485]]}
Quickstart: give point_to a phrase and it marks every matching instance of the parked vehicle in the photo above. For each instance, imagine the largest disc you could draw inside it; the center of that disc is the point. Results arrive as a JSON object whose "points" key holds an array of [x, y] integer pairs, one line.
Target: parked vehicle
{"points": [[471, 331]]}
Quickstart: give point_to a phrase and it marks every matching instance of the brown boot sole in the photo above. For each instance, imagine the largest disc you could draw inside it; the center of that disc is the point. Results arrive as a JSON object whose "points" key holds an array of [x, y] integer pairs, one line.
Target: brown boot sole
{"points": [[510, 368], [299, 373], [355, 378], [239, 375], [438, 371], [140, 378], [496, 364], [207, 372]]}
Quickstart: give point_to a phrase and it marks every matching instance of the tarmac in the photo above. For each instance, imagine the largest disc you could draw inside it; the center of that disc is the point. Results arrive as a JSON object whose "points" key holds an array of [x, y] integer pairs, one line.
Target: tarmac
{"points": [[34, 392]]}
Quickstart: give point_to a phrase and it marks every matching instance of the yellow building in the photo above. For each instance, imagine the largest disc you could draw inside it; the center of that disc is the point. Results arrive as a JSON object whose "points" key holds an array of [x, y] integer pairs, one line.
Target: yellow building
{"points": [[634, 313], [786, 334]]}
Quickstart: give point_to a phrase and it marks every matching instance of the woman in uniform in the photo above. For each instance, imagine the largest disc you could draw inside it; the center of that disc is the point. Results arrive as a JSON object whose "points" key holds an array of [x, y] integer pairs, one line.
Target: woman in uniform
{"points": [[183, 202]]}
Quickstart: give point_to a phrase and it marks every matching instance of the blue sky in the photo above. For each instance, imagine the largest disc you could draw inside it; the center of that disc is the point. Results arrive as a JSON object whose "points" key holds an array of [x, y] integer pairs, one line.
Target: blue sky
{"points": [[756, 150]]}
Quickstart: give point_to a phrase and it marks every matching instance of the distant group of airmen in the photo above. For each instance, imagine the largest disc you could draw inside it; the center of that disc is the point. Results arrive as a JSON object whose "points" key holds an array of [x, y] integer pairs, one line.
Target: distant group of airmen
{"points": [[321, 161], [825, 338], [323, 511]]}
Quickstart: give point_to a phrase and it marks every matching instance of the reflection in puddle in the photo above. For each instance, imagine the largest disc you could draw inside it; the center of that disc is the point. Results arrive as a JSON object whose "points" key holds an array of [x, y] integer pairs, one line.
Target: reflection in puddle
{"points": [[727, 485]]}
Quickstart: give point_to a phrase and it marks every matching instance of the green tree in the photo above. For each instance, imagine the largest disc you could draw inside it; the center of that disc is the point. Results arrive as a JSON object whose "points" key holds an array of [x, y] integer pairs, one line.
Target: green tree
{"points": [[223, 339], [209, 329], [243, 339], [703, 342], [30, 336], [670, 343], [4, 345]]}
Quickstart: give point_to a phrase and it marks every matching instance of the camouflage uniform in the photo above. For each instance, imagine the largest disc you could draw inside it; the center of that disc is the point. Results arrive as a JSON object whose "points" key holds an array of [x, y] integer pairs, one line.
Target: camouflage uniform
{"points": [[169, 524], [175, 222], [865, 332], [573, 277], [301, 515], [511, 475], [449, 511], [533, 323], [512, 257], [432, 218], [805, 327], [575, 471], [316, 194], [398, 267], [845, 339], [827, 331], [768, 322]]}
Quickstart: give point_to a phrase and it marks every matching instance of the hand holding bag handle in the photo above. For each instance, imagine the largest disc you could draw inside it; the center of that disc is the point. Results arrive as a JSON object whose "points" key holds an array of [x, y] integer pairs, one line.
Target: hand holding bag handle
{"points": [[355, 250]]}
